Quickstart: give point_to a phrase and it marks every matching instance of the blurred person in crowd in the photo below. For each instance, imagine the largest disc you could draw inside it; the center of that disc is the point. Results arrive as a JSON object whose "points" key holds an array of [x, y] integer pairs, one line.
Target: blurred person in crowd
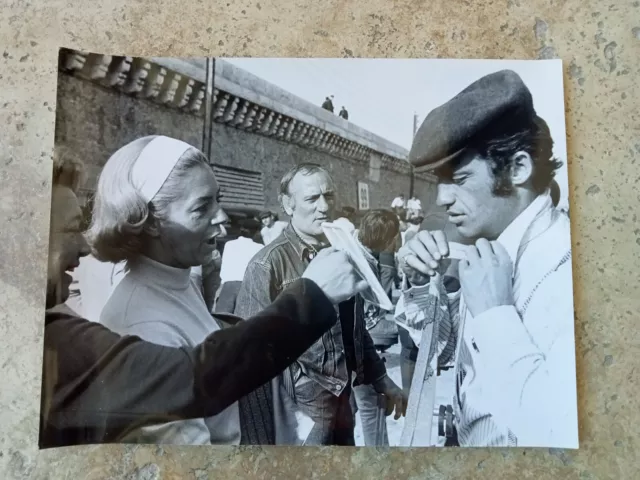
{"points": [[399, 202], [414, 203], [377, 235], [235, 259], [349, 213], [271, 227]]}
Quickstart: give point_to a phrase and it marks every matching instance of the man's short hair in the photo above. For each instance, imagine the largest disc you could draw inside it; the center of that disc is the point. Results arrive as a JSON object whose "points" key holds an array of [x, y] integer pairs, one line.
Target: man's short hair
{"points": [[534, 138], [378, 229], [302, 168], [247, 232], [265, 214]]}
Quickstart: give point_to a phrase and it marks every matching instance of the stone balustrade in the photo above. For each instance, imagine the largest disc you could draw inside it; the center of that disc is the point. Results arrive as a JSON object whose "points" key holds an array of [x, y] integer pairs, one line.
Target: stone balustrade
{"points": [[240, 100]]}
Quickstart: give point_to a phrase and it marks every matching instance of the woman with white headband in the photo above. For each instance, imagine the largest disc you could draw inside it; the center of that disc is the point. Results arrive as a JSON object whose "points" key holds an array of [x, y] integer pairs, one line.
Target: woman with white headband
{"points": [[157, 208]]}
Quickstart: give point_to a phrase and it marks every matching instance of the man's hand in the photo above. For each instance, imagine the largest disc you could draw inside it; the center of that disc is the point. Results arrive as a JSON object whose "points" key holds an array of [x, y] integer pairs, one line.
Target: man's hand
{"points": [[486, 277], [422, 256], [395, 397], [334, 273]]}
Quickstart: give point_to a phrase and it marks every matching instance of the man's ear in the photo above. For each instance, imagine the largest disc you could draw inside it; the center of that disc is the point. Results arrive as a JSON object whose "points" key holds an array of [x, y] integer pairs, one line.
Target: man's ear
{"points": [[287, 204], [521, 168]]}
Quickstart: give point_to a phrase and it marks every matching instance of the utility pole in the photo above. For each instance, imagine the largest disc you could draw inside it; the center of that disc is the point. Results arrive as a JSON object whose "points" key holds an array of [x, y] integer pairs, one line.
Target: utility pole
{"points": [[207, 127], [411, 173]]}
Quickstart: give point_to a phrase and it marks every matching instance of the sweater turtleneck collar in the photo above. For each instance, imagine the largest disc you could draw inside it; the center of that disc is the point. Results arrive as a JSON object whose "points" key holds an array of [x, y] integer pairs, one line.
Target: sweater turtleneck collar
{"points": [[160, 274]]}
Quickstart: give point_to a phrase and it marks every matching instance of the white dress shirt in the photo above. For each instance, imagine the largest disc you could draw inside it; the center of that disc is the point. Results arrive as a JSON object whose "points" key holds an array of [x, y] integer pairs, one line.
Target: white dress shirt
{"points": [[398, 203], [414, 204]]}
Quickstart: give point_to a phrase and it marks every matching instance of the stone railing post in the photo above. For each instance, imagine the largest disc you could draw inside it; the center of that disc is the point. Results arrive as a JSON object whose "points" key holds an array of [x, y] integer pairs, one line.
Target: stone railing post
{"points": [[181, 85]]}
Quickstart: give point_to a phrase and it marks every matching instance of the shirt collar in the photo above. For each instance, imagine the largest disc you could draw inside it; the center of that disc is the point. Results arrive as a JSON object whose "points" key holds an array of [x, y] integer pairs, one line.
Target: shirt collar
{"points": [[512, 236], [302, 250]]}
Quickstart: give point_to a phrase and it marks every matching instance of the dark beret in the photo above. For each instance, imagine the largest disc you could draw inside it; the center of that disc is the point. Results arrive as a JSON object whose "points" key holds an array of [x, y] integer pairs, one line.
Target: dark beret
{"points": [[495, 102]]}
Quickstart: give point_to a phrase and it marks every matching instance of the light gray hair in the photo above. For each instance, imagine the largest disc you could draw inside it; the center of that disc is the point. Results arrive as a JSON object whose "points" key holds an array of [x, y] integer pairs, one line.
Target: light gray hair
{"points": [[120, 213], [304, 169]]}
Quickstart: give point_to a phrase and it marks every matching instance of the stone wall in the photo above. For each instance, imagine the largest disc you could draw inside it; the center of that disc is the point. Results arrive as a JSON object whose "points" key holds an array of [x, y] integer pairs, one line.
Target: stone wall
{"points": [[92, 122], [105, 102], [274, 157]]}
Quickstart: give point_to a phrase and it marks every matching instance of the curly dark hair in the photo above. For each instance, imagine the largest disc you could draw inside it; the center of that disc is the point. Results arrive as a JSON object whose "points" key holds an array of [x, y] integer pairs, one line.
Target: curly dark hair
{"points": [[499, 146]]}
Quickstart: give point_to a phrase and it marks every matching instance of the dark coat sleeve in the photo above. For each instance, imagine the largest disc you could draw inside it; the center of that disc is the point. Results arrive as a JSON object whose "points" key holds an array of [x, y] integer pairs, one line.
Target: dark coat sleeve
{"points": [[97, 385]]}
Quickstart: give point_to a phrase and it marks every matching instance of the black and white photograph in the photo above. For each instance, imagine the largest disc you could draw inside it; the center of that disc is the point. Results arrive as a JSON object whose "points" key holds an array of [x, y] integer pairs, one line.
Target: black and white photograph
{"points": [[309, 252]]}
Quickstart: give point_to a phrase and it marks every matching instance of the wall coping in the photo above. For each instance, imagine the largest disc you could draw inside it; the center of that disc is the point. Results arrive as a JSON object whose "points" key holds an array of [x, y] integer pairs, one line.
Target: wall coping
{"points": [[242, 83], [240, 100]]}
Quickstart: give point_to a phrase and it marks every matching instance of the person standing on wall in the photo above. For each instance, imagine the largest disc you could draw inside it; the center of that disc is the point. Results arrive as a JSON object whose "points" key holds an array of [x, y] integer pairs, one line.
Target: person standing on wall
{"points": [[328, 104]]}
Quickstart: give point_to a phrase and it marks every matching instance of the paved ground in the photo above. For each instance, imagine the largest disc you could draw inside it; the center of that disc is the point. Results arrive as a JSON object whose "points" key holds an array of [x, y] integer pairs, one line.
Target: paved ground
{"points": [[394, 427]]}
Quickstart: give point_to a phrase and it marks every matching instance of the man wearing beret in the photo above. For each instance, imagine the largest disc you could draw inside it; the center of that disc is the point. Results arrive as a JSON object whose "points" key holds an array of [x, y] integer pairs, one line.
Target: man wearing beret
{"points": [[510, 327]]}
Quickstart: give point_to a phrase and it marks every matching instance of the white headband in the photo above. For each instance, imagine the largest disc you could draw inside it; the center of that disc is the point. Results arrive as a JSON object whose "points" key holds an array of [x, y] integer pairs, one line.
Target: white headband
{"points": [[155, 163]]}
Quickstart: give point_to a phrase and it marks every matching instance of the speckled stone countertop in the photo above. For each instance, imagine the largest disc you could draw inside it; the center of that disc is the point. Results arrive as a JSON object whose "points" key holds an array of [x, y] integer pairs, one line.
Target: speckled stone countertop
{"points": [[600, 45]]}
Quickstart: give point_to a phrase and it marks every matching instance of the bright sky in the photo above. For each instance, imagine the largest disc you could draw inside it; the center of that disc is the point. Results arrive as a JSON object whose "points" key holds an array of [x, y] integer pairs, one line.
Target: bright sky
{"points": [[383, 95]]}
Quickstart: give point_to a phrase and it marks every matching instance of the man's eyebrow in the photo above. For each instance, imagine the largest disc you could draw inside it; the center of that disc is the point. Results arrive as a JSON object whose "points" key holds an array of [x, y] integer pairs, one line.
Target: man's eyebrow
{"points": [[206, 198], [319, 194]]}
